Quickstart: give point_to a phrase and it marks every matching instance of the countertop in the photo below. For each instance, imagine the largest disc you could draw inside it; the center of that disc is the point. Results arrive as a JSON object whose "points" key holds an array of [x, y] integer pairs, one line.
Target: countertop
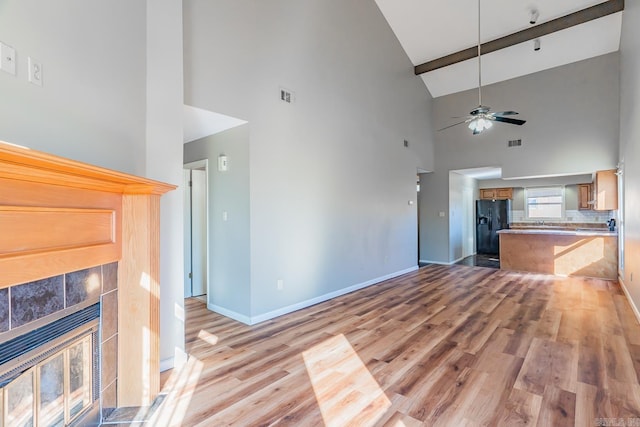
{"points": [[559, 232]]}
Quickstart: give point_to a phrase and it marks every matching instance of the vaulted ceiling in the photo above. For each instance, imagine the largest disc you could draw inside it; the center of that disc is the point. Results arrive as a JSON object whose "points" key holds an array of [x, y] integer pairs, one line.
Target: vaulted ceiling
{"points": [[430, 30]]}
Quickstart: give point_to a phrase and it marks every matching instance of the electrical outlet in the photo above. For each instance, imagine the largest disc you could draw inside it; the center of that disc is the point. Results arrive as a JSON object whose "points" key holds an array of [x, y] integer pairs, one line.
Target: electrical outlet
{"points": [[35, 71], [7, 59], [280, 284]]}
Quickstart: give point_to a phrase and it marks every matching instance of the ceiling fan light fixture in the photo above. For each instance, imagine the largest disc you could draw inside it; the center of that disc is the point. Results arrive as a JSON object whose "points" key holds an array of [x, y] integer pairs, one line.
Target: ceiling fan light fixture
{"points": [[481, 118], [479, 124]]}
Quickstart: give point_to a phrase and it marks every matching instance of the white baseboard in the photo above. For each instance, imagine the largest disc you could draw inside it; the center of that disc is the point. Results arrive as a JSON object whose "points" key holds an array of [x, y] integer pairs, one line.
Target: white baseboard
{"points": [[441, 262], [322, 298], [628, 295], [166, 364], [303, 304], [230, 314]]}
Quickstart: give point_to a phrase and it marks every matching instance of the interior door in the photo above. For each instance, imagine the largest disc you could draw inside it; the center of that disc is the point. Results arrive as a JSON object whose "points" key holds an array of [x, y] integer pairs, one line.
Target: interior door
{"points": [[198, 232]]}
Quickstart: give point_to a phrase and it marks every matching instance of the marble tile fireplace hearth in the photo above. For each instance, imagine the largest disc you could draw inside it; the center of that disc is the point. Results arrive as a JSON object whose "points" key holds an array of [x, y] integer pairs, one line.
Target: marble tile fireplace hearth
{"points": [[79, 289]]}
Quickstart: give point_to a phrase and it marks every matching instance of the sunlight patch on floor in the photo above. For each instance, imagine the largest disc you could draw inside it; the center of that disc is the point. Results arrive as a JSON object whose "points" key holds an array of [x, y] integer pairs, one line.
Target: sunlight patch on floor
{"points": [[208, 337], [345, 390]]}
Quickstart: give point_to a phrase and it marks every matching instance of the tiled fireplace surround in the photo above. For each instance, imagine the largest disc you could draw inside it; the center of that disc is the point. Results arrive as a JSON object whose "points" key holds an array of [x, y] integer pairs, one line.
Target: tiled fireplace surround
{"points": [[39, 302], [62, 224]]}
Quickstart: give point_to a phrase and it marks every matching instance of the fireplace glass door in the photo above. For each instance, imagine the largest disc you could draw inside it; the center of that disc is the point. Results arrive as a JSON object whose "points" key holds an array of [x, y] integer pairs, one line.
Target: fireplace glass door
{"points": [[52, 393]]}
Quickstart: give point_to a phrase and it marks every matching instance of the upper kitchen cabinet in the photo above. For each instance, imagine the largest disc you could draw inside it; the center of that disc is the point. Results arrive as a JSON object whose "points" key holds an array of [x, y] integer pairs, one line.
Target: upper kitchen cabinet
{"points": [[496, 193], [605, 190], [584, 197]]}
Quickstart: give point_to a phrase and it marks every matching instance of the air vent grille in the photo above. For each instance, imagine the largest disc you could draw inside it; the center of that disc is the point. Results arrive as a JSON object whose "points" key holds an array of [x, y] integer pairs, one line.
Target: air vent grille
{"points": [[514, 143]]}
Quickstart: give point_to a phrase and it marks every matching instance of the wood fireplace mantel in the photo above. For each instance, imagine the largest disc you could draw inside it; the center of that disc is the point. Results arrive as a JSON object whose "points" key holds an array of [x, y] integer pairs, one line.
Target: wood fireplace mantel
{"points": [[58, 215]]}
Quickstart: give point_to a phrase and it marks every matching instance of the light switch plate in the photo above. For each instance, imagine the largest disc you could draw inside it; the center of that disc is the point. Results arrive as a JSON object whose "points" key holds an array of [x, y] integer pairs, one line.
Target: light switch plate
{"points": [[7, 59]]}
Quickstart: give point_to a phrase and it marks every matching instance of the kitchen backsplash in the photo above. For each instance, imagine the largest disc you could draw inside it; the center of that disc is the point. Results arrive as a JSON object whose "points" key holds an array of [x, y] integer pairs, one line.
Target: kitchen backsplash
{"points": [[571, 216]]}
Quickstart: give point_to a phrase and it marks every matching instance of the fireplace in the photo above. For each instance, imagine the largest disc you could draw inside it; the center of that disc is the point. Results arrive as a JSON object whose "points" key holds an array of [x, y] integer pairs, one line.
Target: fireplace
{"points": [[53, 369], [79, 289], [57, 383]]}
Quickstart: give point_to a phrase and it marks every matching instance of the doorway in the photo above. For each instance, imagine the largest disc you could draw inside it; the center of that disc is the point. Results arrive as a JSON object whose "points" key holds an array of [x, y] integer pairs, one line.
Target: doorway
{"points": [[196, 271]]}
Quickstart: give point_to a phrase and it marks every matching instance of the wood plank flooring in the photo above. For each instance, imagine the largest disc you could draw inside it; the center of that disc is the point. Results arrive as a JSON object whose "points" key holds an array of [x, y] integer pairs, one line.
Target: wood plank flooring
{"points": [[445, 345]]}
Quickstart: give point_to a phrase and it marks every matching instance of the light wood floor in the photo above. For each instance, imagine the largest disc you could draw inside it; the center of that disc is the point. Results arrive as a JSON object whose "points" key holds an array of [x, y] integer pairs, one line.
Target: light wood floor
{"points": [[446, 345]]}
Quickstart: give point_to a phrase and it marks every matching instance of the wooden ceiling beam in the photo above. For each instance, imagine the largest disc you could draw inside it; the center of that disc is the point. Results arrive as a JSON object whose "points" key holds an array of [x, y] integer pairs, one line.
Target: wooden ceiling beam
{"points": [[580, 17]]}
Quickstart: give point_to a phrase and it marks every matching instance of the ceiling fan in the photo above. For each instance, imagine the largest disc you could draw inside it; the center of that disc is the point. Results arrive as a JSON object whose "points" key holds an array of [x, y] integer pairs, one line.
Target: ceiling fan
{"points": [[482, 118]]}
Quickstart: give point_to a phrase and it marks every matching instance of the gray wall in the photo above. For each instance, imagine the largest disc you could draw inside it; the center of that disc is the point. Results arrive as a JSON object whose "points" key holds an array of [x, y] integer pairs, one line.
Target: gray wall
{"points": [[630, 146], [229, 255], [572, 128], [93, 104], [330, 177]]}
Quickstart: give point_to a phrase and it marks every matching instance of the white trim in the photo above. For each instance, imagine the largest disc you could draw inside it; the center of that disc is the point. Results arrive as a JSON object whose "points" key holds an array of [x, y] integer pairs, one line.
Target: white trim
{"points": [[631, 303], [313, 301], [230, 314], [424, 261], [166, 364]]}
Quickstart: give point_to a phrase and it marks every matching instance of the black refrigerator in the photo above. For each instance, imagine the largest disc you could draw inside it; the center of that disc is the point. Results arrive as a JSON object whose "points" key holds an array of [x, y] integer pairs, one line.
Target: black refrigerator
{"points": [[491, 216]]}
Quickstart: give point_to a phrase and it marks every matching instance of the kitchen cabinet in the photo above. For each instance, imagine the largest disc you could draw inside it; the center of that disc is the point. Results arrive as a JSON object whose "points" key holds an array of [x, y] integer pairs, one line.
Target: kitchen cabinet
{"points": [[496, 193], [605, 190], [588, 254], [585, 197]]}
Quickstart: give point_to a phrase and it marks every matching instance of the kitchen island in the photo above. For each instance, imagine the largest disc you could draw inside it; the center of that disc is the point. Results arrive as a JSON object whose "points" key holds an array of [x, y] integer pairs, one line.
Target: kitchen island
{"points": [[589, 253]]}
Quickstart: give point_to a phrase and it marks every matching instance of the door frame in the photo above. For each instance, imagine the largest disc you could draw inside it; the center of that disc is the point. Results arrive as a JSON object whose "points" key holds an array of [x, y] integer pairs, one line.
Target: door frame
{"points": [[188, 247]]}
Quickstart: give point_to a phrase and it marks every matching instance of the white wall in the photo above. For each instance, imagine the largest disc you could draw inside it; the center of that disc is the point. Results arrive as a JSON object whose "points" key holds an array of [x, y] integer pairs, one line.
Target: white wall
{"points": [[572, 128], [164, 162], [330, 177], [91, 106], [630, 146], [462, 196], [229, 255]]}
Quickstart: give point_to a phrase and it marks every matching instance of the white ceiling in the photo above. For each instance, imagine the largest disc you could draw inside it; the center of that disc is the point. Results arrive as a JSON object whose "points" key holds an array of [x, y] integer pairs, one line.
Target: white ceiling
{"points": [[430, 29], [199, 123]]}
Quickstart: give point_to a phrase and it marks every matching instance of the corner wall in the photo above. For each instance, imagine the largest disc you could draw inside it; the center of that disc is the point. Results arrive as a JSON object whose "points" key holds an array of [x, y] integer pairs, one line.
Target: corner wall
{"points": [[163, 154], [331, 180]]}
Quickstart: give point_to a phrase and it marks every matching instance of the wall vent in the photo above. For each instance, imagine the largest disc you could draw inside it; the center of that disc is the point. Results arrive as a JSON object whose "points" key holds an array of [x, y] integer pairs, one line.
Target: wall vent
{"points": [[514, 143], [286, 95]]}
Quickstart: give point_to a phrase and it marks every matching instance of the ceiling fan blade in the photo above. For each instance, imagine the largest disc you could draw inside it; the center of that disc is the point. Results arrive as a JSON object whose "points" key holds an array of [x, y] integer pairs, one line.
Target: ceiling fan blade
{"points": [[508, 120], [505, 113], [455, 124]]}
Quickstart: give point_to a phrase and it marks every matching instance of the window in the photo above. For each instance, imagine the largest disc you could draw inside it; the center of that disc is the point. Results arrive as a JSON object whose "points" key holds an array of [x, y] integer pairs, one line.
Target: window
{"points": [[545, 202]]}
